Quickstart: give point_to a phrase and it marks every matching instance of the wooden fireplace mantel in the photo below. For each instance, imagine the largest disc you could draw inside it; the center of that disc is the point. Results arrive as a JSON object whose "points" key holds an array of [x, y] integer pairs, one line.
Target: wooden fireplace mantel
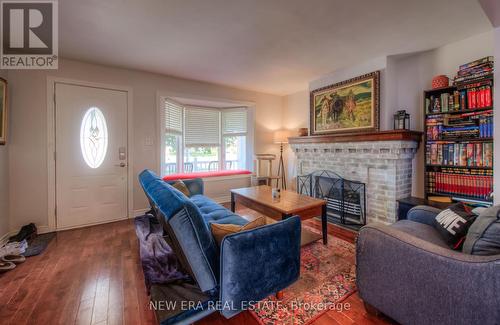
{"points": [[393, 135]]}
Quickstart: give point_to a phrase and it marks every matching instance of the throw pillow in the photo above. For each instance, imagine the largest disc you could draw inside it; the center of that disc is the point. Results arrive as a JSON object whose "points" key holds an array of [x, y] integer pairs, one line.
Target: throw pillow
{"points": [[181, 187], [453, 224], [483, 237], [220, 230]]}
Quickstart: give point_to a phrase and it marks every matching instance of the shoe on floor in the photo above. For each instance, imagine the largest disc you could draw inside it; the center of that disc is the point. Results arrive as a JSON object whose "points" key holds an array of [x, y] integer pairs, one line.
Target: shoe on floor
{"points": [[13, 258], [6, 266], [14, 248], [27, 232]]}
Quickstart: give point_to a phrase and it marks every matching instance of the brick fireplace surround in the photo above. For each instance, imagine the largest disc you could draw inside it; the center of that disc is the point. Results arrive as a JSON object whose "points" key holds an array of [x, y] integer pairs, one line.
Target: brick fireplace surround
{"points": [[381, 160]]}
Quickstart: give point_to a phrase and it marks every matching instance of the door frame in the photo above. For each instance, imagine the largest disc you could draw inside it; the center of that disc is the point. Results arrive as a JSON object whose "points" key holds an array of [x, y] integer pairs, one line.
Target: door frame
{"points": [[51, 146]]}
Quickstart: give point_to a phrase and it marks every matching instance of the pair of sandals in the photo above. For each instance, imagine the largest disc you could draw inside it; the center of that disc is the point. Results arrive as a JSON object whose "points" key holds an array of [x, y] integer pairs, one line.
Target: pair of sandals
{"points": [[9, 262]]}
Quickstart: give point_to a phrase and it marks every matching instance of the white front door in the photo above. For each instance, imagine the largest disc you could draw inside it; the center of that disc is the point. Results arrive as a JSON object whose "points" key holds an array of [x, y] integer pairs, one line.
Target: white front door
{"points": [[91, 155]]}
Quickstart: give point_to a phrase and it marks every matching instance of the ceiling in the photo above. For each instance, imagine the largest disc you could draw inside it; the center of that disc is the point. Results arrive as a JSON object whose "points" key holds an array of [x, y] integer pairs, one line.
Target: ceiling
{"points": [[492, 10], [272, 46]]}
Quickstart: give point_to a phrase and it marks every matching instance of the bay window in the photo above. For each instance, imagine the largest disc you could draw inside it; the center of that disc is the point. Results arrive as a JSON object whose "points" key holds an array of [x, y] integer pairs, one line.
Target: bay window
{"points": [[201, 139]]}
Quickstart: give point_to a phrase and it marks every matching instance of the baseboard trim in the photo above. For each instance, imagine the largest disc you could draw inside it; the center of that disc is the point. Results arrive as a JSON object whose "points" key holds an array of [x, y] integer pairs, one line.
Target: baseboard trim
{"points": [[91, 224], [47, 229], [140, 212], [222, 199], [44, 229]]}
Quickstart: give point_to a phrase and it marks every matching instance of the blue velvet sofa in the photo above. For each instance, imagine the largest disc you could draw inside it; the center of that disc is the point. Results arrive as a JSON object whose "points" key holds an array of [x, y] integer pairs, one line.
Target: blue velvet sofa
{"points": [[247, 267], [408, 272]]}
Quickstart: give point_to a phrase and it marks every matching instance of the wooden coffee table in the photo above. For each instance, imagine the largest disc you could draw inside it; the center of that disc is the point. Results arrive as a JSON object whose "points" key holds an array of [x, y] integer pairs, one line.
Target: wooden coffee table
{"points": [[260, 199]]}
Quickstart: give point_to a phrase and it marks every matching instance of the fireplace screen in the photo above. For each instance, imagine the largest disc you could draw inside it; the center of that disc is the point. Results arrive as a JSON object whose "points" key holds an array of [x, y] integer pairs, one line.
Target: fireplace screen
{"points": [[346, 199]]}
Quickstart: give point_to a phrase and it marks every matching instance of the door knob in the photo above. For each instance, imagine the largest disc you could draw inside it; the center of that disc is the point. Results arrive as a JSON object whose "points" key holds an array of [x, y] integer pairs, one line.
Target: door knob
{"points": [[122, 164]]}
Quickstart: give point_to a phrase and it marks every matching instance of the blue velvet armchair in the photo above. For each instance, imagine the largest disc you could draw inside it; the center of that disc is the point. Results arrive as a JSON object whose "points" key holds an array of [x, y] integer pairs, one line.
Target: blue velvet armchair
{"points": [[247, 267]]}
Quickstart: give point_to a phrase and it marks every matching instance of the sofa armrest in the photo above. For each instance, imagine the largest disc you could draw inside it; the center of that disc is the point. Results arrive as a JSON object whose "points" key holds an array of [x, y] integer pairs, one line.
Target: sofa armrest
{"points": [[423, 214], [258, 262], [415, 281], [194, 185]]}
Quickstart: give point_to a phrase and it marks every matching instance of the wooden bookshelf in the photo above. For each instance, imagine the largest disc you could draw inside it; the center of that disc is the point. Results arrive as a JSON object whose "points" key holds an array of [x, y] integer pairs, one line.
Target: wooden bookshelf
{"points": [[458, 142]]}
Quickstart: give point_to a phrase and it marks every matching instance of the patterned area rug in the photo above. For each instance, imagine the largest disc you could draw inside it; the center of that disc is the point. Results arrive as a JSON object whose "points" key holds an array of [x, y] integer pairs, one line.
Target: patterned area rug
{"points": [[327, 277]]}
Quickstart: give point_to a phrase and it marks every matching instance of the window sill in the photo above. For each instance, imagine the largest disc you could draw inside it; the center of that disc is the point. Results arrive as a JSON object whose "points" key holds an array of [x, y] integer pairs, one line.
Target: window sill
{"points": [[225, 174]]}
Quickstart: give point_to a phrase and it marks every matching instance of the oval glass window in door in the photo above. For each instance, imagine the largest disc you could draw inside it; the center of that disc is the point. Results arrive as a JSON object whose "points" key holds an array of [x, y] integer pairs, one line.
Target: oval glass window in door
{"points": [[94, 137]]}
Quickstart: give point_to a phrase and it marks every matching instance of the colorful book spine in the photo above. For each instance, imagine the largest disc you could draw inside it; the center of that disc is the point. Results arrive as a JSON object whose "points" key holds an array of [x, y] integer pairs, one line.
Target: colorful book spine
{"points": [[463, 155], [470, 154], [477, 62], [478, 151], [456, 100], [463, 99], [460, 154], [488, 155], [487, 97], [473, 186]]}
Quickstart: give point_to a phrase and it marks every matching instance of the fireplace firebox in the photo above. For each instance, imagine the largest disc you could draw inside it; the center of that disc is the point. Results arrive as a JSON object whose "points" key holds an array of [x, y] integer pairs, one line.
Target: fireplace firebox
{"points": [[346, 199]]}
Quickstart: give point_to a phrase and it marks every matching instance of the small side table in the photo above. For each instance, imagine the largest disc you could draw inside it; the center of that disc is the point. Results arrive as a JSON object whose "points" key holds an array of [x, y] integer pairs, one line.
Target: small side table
{"points": [[404, 205]]}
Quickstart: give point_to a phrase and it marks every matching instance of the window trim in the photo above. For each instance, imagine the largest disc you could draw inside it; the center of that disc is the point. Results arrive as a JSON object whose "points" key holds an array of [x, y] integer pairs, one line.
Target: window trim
{"points": [[175, 97], [161, 134]]}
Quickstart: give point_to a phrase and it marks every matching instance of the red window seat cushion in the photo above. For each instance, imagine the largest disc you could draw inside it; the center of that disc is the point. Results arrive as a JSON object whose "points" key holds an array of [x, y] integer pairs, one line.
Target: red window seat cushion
{"points": [[173, 177]]}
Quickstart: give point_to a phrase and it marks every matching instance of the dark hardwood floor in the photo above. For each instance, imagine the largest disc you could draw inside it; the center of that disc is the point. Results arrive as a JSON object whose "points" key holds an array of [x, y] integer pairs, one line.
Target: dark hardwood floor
{"points": [[93, 276]]}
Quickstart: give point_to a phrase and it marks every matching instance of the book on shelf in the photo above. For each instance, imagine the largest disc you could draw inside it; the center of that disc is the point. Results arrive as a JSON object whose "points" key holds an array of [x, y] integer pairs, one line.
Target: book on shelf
{"points": [[488, 59], [469, 154], [473, 186], [459, 135], [466, 99], [474, 71], [443, 199], [473, 125], [472, 77]]}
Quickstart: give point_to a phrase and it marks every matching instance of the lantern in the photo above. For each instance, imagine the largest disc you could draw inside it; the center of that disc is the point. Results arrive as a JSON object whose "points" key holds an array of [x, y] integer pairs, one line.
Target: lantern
{"points": [[401, 120]]}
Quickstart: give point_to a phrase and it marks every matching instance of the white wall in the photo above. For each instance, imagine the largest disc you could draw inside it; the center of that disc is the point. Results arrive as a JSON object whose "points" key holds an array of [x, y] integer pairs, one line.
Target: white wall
{"points": [[4, 179], [28, 142], [403, 80], [294, 117]]}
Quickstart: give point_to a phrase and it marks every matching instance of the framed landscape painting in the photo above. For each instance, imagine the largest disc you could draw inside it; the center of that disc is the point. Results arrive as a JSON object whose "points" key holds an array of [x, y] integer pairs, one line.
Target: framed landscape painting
{"points": [[3, 110], [346, 107]]}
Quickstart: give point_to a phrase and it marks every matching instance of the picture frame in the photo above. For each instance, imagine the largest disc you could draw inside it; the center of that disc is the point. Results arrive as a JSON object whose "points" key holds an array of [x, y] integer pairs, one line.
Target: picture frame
{"points": [[3, 111], [350, 106]]}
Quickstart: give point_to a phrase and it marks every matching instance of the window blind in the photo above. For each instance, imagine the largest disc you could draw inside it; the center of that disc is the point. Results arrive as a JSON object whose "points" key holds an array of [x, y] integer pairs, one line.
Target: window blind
{"points": [[234, 121], [202, 127], [173, 117]]}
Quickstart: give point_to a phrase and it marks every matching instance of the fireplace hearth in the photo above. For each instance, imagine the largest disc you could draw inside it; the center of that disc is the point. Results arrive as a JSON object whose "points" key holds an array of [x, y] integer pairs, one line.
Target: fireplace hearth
{"points": [[346, 199]]}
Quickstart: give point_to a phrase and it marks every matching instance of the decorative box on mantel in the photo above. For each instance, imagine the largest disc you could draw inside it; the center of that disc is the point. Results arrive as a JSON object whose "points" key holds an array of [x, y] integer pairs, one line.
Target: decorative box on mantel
{"points": [[382, 160]]}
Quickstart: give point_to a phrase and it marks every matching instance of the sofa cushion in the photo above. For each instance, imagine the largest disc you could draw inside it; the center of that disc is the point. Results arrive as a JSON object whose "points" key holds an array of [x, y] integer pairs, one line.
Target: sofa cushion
{"points": [[420, 230], [213, 212], [187, 227], [219, 231], [453, 224], [179, 185], [483, 237]]}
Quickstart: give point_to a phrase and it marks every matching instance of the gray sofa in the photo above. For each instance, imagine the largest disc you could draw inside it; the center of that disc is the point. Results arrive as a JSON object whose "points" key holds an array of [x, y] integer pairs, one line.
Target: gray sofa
{"points": [[406, 271]]}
